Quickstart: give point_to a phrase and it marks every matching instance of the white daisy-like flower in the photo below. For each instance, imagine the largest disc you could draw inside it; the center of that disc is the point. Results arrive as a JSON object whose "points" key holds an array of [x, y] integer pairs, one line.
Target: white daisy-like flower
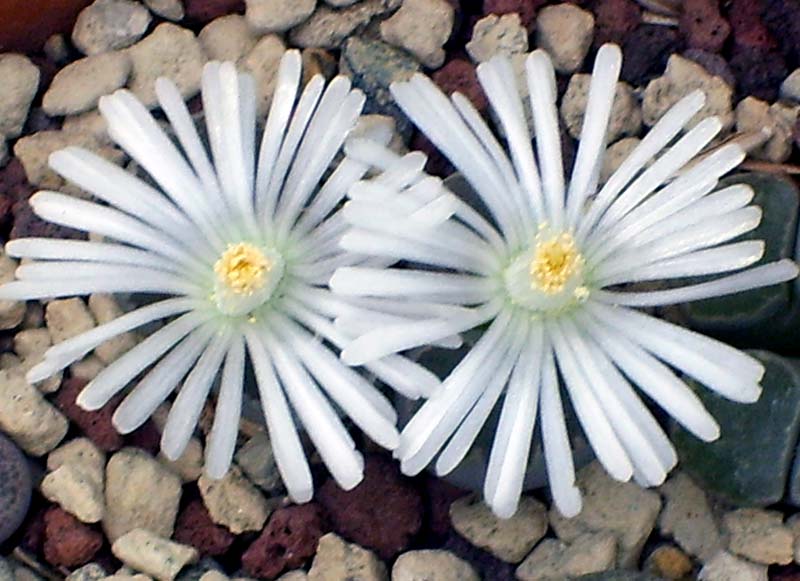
{"points": [[238, 248], [540, 260]]}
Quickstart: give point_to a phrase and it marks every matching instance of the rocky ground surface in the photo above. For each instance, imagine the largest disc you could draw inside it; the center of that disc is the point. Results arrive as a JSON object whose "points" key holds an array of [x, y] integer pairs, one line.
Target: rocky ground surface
{"points": [[84, 503]]}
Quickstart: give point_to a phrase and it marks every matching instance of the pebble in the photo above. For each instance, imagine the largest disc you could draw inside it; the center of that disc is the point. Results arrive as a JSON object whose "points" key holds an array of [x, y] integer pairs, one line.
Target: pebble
{"points": [[703, 25], [194, 527], [108, 25], [262, 62], [257, 461], [105, 308], [169, 51], [140, 493], [687, 517], [294, 576], [615, 154], [76, 491], [507, 539], [90, 123], [759, 536], [626, 117], [80, 452], [725, 567], [778, 119], [169, 9], [497, 34], [189, 466], [681, 77], [328, 28], [234, 502], [422, 27], [29, 419], [228, 38], [554, 559], [96, 425], [20, 83], [622, 508], [90, 572], [144, 551], [265, 16], [15, 489], [646, 51], [432, 565], [78, 86], [565, 31], [337, 560], [67, 541], [66, 318], [669, 562], [31, 345], [790, 87], [615, 20], [11, 312]]}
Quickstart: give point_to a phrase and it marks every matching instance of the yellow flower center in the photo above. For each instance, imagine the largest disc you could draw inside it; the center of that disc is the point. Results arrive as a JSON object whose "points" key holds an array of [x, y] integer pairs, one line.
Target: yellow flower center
{"points": [[555, 261], [243, 268]]}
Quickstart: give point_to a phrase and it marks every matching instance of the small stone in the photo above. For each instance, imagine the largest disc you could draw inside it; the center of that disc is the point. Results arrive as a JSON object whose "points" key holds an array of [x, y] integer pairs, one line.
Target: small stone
{"points": [[758, 72], [105, 309], [687, 517], [778, 120], [91, 123], [460, 75], [257, 461], [623, 508], [140, 493], [703, 25], [90, 572], [15, 489], [31, 345], [144, 551], [525, 8], [76, 492], [266, 16], [294, 576], [759, 535], [87, 368], [669, 562], [328, 28], [228, 38], [69, 542], [194, 527], [108, 25], [189, 466], [715, 64], [234, 502], [97, 424], [497, 35], [207, 10], [67, 318], [340, 561], [290, 537], [215, 576], [790, 87], [615, 20], [20, 83], [507, 539], [553, 559], [318, 61], [22, 573], [56, 49], [626, 117], [29, 419], [169, 51], [432, 566], [11, 312], [646, 51], [78, 86], [681, 78], [262, 62], [422, 27], [169, 9], [725, 567], [80, 452], [565, 31], [615, 155]]}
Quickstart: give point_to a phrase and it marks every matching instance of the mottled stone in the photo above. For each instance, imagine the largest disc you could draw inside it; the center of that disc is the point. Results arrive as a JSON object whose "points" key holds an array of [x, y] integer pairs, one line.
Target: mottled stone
{"points": [[265, 16], [104, 309], [228, 38], [144, 551], [15, 490], [29, 419], [422, 27], [553, 559], [687, 517], [337, 560], [615, 155], [109, 25], [11, 312], [725, 567], [78, 86], [626, 117], [262, 63], [777, 121], [257, 461], [759, 536], [565, 31], [20, 83], [497, 34], [329, 28], [67, 318], [432, 566], [169, 9], [234, 502]]}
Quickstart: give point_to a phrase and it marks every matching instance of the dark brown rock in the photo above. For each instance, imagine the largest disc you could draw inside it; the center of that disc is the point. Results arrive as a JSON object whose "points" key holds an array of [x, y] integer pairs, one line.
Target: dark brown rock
{"points": [[646, 52], [703, 26], [758, 73], [26, 24], [440, 495], [615, 20], [459, 75], [96, 425], [287, 542], [382, 513], [68, 542], [782, 17], [525, 8], [205, 10], [15, 487], [194, 527], [749, 30], [713, 63]]}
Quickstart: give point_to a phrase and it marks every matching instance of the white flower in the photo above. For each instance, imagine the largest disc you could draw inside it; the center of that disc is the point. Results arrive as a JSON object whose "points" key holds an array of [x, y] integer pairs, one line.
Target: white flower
{"points": [[238, 251], [542, 271]]}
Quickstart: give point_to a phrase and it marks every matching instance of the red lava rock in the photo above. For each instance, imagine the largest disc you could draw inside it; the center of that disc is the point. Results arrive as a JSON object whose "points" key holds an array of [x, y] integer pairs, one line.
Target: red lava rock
{"points": [[148, 438], [96, 425], [615, 20], [206, 10], [194, 527], [758, 73], [782, 17], [69, 542], [289, 539], [33, 531], [646, 52], [26, 24], [713, 63], [382, 513], [440, 495], [703, 26], [525, 8], [459, 75], [748, 29]]}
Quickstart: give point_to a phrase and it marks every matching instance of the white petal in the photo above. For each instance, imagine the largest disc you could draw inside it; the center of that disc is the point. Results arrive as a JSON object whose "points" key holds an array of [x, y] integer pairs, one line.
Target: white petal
{"points": [[221, 442]]}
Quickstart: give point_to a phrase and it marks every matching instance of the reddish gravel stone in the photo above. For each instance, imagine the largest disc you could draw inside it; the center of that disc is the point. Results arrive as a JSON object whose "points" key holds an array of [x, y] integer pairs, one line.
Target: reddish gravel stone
{"points": [[194, 527], [758, 73], [26, 24], [615, 20], [703, 26], [749, 30], [287, 542], [713, 63], [69, 542], [646, 53], [525, 8], [440, 495], [147, 438], [205, 10], [96, 425], [33, 531], [782, 17], [487, 565], [459, 75], [382, 513]]}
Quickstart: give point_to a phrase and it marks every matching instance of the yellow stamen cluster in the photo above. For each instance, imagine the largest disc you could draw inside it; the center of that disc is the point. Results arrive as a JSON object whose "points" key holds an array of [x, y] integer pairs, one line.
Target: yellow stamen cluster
{"points": [[555, 261], [243, 268]]}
